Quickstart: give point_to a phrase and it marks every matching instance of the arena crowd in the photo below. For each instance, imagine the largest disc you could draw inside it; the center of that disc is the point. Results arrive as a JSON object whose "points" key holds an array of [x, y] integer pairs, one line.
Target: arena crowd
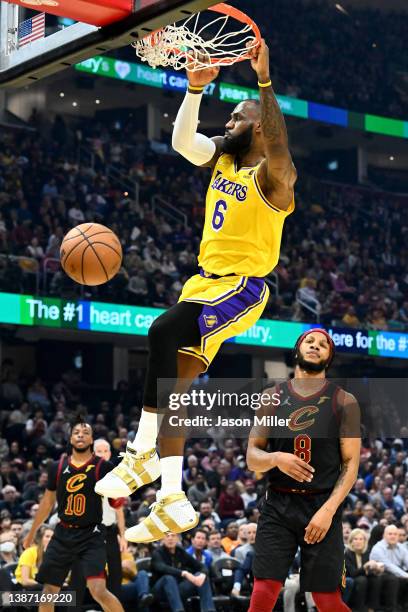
{"points": [[347, 268]]}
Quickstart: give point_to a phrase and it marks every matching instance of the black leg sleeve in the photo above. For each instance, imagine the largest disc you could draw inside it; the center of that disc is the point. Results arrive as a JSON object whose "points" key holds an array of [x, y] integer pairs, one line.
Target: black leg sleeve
{"points": [[175, 328]]}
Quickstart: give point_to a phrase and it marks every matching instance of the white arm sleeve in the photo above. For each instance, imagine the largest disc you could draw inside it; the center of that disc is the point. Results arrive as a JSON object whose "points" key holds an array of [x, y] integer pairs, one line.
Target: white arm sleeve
{"points": [[197, 148]]}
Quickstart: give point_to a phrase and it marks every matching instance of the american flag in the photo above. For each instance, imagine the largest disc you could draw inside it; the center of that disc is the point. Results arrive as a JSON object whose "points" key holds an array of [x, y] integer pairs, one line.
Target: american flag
{"points": [[31, 29]]}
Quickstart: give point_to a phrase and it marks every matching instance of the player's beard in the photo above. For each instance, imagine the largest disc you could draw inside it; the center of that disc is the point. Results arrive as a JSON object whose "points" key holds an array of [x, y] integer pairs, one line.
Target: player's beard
{"points": [[238, 145], [80, 450], [310, 366]]}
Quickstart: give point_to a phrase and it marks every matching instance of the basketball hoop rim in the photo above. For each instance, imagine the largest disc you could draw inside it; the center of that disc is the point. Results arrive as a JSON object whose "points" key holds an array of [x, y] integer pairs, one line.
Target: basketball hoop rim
{"points": [[231, 11], [223, 9]]}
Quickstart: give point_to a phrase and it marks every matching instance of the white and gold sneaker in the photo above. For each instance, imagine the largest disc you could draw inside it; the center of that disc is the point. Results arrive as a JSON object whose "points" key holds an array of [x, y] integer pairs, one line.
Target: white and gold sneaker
{"points": [[170, 514], [134, 471]]}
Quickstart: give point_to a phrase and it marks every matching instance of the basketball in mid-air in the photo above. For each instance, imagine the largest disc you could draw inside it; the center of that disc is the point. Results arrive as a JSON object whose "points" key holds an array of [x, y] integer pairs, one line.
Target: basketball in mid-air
{"points": [[91, 254]]}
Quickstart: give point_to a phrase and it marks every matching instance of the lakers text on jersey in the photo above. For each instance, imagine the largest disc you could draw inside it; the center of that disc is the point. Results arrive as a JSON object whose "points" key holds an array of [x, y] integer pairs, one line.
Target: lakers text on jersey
{"points": [[242, 229]]}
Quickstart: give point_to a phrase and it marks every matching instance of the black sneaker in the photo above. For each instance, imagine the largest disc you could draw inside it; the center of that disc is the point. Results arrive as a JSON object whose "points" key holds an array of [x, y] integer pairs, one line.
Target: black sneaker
{"points": [[146, 599]]}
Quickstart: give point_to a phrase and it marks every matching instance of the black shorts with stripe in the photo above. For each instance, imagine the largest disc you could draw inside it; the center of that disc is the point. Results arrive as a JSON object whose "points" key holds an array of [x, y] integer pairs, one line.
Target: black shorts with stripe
{"points": [[84, 547], [281, 530]]}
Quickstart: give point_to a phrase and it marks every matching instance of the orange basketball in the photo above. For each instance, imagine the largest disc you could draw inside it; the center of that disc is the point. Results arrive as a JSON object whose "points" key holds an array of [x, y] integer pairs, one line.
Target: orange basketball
{"points": [[91, 254]]}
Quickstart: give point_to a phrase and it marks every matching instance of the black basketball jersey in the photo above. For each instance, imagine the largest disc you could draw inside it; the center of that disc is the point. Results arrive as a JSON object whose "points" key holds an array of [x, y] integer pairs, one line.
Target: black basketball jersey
{"points": [[313, 434], [78, 504]]}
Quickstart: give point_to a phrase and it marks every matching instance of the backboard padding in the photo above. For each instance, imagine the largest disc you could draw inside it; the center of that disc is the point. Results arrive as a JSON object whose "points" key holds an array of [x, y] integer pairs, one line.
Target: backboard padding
{"points": [[60, 51]]}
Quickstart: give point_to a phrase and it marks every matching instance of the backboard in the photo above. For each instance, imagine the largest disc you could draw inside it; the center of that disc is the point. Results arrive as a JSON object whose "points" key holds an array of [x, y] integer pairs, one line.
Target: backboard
{"points": [[110, 24]]}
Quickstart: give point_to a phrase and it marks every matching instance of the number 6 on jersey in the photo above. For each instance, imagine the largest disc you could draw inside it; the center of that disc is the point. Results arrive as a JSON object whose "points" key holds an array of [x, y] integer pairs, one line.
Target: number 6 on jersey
{"points": [[219, 215]]}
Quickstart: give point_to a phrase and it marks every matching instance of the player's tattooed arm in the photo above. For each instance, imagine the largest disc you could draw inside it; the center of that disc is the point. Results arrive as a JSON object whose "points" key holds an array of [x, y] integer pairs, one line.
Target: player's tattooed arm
{"points": [[350, 446], [272, 122], [350, 443], [321, 521], [277, 175]]}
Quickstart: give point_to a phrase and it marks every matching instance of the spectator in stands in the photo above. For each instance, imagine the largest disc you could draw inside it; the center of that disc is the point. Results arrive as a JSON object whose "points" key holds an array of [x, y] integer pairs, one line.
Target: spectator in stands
{"points": [[368, 517], [149, 497], [135, 584], [31, 559], [359, 492], [403, 536], [35, 250], [346, 532], [365, 573], [230, 540], [197, 549], [16, 528], [350, 319], [8, 548], [230, 505], [137, 286], [242, 533], [214, 546], [33, 489], [207, 511], [249, 496], [251, 515], [308, 294], [241, 551], [199, 491], [244, 572], [177, 576], [390, 503], [394, 556], [27, 524], [10, 502]]}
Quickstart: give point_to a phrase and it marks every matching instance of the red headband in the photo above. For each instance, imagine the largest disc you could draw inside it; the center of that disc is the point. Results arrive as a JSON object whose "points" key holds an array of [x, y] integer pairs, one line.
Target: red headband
{"points": [[319, 330]]}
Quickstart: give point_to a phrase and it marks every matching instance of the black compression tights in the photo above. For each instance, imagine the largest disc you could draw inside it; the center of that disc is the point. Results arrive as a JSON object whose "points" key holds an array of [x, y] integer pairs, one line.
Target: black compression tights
{"points": [[175, 328]]}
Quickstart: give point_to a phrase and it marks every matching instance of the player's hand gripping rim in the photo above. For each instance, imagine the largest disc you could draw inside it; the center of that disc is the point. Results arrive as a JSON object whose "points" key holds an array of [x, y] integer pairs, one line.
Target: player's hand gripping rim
{"points": [[204, 76], [293, 466]]}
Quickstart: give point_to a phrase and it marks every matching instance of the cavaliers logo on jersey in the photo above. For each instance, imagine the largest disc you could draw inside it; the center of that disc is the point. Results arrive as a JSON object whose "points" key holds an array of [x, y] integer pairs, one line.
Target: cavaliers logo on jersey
{"points": [[302, 418], [75, 483]]}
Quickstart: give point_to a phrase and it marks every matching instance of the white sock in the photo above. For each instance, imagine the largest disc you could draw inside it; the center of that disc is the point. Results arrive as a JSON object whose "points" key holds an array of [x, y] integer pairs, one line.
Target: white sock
{"points": [[171, 475], [146, 434]]}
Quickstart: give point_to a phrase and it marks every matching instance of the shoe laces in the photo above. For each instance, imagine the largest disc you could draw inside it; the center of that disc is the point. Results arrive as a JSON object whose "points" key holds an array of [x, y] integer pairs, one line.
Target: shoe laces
{"points": [[157, 503], [154, 505], [126, 459]]}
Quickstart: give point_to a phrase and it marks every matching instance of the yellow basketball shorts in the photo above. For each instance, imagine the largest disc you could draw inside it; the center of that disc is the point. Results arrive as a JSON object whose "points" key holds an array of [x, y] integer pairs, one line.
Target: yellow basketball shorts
{"points": [[231, 305]]}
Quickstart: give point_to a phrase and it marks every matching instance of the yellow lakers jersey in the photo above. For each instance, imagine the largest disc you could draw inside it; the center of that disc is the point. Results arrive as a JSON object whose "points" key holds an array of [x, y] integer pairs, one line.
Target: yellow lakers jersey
{"points": [[242, 229]]}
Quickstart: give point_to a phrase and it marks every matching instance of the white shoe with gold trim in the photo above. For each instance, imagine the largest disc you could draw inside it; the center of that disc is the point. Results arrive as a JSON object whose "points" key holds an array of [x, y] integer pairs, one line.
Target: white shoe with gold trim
{"points": [[170, 514], [134, 471]]}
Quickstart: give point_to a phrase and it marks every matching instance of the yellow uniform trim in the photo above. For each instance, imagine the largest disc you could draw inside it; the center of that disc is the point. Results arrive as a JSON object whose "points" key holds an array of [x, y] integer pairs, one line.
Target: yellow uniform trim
{"points": [[194, 354], [225, 296]]}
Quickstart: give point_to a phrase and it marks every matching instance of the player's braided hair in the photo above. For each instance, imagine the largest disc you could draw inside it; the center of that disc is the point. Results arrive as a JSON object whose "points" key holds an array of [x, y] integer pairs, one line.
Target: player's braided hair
{"points": [[78, 420]]}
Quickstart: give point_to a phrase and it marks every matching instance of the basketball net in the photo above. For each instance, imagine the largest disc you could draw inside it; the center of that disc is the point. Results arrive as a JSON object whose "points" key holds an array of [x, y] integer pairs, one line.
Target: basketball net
{"points": [[197, 42]]}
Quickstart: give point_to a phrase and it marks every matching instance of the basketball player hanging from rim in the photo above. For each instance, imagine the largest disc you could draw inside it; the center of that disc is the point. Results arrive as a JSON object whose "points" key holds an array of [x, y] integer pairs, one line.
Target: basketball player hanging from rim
{"points": [[251, 193], [310, 467]]}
